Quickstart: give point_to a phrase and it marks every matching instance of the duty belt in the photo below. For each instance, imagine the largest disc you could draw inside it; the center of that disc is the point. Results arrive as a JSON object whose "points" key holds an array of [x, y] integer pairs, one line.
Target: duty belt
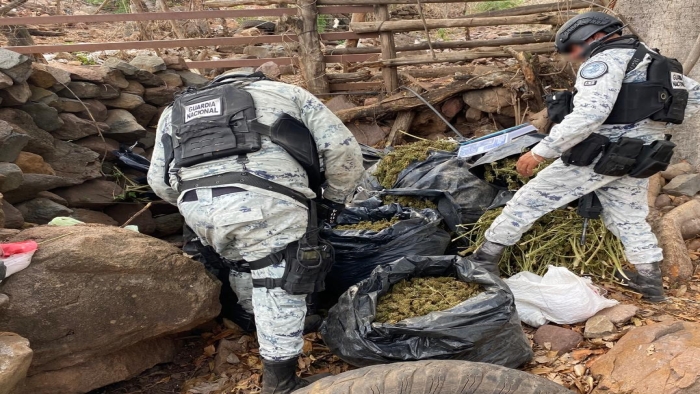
{"points": [[246, 178]]}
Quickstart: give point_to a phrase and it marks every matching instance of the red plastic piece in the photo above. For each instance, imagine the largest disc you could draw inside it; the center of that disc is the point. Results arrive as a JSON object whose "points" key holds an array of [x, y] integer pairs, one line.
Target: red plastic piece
{"points": [[7, 250]]}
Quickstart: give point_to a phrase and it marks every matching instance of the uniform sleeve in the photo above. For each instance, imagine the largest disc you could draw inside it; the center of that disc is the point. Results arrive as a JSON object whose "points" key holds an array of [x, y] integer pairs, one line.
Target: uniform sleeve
{"points": [[598, 84], [157, 170], [342, 156], [693, 97]]}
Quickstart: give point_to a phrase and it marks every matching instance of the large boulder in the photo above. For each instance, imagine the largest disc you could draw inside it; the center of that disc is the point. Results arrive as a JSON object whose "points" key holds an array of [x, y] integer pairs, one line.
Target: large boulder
{"points": [[31, 163], [97, 193], [45, 117], [190, 78], [162, 95], [74, 161], [75, 128], [123, 127], [11, 142], [15, 358], [149, 63], [98, 303], [16, 94], [125, 101], [660, 358], [94, 110], [493, 100], [48, 77], [42, 210], [10, 177], [40, 141], [15, 65], [90, 216], [118, 64], [5, 81], [144, 114], [33, 184], [94, 74], [13, 217], [103, 147]]}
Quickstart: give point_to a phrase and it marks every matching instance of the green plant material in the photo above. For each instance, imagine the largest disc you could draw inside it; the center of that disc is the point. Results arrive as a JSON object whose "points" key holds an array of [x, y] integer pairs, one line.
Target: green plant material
{"points": [[442, 33], [485, 6], [420, 296], [554, 240], [321, 23], [84, 59], [504, 172], [402, 156], [409, 202], [377, 226]]}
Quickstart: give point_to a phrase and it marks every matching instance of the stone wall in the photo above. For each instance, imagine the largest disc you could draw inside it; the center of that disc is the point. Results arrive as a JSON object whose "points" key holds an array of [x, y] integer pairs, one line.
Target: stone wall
{"points": [[59, 126]]}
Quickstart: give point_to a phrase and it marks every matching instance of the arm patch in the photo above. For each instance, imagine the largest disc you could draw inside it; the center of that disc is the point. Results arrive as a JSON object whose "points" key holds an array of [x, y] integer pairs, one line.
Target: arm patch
{"points": [[594, 70]]}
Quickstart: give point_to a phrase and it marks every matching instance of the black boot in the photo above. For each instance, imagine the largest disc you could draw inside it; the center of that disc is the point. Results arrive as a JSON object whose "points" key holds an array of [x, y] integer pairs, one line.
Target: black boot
{"points": [[487, 256], [280, 377], [647, 281]]}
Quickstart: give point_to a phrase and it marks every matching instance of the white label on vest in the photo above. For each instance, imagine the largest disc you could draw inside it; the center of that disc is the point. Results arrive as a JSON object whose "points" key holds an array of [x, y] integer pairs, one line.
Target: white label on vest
{"points": [[205, 108], [677, 81]]}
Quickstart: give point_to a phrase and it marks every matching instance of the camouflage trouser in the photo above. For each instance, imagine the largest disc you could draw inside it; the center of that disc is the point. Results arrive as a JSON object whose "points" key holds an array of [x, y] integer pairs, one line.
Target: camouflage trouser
{"points": [[251, 226], [624, 201]]}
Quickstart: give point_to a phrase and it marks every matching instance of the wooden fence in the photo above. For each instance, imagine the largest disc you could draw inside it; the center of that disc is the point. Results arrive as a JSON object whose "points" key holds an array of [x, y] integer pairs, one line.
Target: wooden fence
{"points": [[312, 58]]}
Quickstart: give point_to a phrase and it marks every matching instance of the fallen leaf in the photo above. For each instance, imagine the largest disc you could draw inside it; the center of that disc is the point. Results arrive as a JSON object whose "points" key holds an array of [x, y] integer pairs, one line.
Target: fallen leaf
{"points": [[581, 354], [209, 351], [579, 370]]}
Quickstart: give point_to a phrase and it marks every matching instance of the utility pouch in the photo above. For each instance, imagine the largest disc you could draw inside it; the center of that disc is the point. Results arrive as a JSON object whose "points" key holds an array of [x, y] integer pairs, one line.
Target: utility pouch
{"points": [[559, 105], [586, 151], [620, 157], [307, 266], [654, 158]]}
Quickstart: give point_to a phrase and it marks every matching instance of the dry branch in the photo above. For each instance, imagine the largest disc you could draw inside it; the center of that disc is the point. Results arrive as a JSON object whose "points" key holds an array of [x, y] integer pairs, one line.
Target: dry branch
{"points": [[677, 264], [460, 44], [535, 9], [236, 3], [470, 55], [524, 59], [417, 25], [404, 102]]}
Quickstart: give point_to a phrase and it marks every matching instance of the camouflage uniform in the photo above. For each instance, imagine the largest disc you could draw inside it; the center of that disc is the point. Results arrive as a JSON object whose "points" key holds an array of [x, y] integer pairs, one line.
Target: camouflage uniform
{"points": [[251, 225], [624, 198]]}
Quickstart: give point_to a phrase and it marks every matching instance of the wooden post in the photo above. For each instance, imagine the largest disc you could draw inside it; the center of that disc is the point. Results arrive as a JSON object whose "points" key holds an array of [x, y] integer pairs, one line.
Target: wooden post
{"points": [[352, 43], [391, 76], [313, 67]]}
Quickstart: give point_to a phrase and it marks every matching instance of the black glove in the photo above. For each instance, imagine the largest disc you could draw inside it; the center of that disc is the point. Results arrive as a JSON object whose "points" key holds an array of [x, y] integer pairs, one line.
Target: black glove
{"points": [[329, 210]]}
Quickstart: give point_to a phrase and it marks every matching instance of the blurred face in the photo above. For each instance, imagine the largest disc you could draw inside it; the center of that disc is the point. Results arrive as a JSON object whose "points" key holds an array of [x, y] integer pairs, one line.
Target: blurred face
{"points": [[575, 51]]}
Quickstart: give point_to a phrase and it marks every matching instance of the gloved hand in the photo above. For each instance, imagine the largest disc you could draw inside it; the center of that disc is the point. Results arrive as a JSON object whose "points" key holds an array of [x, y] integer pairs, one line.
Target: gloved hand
{"points": [[329, 210]]}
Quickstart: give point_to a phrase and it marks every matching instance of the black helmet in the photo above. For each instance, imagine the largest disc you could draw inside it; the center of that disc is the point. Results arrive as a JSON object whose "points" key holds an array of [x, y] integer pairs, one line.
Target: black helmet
{"points": [[582, 27]]}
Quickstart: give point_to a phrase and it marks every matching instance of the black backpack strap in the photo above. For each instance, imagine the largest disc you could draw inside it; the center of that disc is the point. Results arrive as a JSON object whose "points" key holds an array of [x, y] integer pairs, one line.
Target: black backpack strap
{"points": [[637, 58]]}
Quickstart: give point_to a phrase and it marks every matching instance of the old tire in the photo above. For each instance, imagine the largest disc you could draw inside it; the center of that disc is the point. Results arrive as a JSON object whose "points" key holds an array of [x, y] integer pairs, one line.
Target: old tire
{"points": [[434, 377]]}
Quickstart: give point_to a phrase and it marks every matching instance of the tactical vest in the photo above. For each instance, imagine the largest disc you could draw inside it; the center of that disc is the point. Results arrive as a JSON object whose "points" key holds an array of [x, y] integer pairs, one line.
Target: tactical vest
{"points": [[219, 121], [663, 97]]}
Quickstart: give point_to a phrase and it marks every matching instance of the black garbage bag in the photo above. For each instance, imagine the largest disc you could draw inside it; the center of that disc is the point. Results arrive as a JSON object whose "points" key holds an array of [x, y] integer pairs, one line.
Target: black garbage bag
{"points": [[132, 160], [513, 149], [358, 252], [445, 171], [484, 328]]}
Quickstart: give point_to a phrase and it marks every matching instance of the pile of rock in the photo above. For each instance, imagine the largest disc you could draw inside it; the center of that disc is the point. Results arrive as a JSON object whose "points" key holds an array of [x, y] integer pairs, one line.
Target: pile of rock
{"points": [[59, 124]]}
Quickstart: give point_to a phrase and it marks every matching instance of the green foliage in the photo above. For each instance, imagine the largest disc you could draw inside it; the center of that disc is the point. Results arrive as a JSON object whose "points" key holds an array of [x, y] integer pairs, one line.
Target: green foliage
{"points": [[84, 59], [321, 23], [115, 6], [442, 33], [485, 6]]}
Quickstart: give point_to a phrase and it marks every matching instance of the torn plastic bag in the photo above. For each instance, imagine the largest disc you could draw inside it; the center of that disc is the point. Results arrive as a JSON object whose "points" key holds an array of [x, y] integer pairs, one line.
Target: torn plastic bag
{"points": [[549, 298], [130, 159], [15, 257], [484, 328], [370, 156], [447, 207], [445, 171], [358, 252]]}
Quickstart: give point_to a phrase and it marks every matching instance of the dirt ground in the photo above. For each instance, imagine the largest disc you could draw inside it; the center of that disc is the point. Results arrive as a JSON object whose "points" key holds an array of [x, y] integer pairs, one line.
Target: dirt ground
{"points": [[198, 369]]}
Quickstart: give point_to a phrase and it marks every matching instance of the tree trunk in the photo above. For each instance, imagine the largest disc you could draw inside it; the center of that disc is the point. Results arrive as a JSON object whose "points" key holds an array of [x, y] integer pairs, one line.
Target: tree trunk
{"points": [[671, 26], [313, 67]]}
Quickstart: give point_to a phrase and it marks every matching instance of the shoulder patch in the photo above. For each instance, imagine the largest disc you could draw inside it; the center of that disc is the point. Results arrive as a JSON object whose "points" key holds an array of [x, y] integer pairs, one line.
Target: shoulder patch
{"points": [[594, 70]]}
